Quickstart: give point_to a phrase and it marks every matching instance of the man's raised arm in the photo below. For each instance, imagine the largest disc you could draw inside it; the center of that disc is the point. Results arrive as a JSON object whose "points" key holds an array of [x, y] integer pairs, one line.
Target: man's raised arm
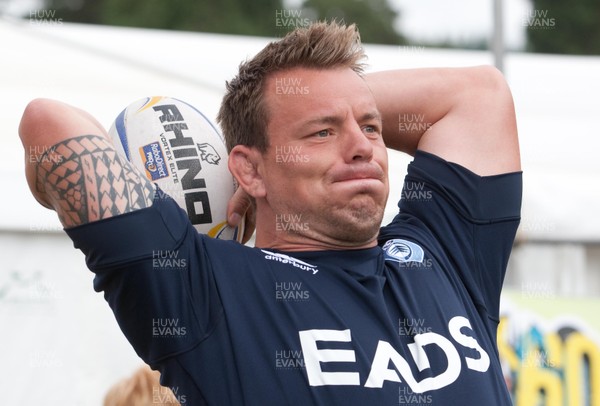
{"points": [[463, 115], [73, 168]]}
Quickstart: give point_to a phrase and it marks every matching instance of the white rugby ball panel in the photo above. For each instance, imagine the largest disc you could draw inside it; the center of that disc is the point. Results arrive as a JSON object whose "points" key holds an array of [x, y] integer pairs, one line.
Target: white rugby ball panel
{"points": [[181, 151]]}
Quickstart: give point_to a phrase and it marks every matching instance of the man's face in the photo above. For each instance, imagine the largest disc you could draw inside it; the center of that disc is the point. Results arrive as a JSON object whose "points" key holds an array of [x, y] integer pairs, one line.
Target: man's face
{"points": [[325, 170]]}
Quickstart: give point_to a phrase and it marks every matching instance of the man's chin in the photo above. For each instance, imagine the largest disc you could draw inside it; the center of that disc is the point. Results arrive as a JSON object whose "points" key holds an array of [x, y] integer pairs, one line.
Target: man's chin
{"points": [[359, 226]]}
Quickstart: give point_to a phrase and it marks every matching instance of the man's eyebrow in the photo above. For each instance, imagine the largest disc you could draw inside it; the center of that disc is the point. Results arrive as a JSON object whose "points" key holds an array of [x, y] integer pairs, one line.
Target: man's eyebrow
{"points": [[332, 119], [323, 120], [372, 115]]}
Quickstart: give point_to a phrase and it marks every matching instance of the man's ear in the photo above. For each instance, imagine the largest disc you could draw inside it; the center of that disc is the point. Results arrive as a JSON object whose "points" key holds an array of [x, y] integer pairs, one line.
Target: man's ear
{"points": [[243, 165]]}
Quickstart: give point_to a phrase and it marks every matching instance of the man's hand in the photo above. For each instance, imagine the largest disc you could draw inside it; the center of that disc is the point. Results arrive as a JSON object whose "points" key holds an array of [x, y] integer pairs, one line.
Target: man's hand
{"points": [[240, 205]]}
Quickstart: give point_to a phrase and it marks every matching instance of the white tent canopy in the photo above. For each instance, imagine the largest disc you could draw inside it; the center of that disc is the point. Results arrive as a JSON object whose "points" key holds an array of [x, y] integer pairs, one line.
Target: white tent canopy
{"points": [[103, 69]]}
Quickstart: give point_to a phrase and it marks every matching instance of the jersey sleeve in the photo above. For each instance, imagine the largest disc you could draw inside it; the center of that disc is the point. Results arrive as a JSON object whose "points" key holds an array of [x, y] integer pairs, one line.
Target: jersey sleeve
{"points": [[465, 220], [155, 275]]}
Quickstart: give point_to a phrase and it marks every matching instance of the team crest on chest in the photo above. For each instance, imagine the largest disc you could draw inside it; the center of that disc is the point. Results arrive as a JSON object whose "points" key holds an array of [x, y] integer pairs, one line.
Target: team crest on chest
{"points": [[402, 251]]}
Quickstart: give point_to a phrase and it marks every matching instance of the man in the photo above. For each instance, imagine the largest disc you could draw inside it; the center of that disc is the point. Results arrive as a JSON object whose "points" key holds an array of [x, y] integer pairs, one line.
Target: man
{"points": [[327, 309]]}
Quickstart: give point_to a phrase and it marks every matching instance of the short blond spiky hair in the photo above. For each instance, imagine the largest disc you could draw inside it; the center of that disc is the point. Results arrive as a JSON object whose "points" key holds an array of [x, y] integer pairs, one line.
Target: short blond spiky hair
{"points": [[243, 116]]}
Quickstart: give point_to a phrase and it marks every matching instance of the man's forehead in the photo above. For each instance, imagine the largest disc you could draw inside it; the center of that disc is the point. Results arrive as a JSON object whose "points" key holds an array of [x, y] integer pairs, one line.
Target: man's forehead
{"points": [[323, 76], [317, 89]]}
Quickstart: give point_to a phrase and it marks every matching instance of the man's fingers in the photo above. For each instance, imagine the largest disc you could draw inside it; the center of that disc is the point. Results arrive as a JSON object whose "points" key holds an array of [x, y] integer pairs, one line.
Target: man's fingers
{"points": [[237, 206], [250, 223], [241, 206]]}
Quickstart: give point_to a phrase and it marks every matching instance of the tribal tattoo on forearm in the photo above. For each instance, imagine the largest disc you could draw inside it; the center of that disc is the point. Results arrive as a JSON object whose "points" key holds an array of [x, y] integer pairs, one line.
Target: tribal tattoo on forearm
{"points": [[86, 180]]}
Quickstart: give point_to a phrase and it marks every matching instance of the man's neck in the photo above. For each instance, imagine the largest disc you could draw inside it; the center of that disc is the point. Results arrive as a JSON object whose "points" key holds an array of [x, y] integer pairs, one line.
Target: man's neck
{"points": [[286, 241]]}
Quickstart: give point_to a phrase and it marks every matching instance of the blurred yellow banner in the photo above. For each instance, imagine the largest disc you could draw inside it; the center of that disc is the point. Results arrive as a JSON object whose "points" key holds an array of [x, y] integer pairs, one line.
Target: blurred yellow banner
{"points": [[550, 349]]}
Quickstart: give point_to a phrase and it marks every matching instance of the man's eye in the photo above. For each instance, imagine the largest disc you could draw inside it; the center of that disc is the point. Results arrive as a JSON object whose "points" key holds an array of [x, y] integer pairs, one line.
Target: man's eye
{"points": [[322, 133], [371, 130]]}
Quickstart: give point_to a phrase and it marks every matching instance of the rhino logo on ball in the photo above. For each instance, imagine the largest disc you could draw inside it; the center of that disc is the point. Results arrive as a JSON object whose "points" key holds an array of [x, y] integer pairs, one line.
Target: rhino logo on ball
{"points": [[209, 154]]}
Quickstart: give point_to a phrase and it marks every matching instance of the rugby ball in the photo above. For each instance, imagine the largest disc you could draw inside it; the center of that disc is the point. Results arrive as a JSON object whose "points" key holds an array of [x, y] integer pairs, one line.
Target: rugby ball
{"points": [[180, 150]]}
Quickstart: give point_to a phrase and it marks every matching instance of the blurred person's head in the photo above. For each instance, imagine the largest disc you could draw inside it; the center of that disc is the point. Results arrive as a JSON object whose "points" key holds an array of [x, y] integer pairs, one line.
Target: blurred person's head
{"points": [[141, 389]]}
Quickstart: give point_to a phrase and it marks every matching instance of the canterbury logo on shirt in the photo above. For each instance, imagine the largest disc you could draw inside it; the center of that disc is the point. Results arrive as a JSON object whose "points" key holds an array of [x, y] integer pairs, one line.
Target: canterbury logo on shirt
{"points": [[385, 354], [286, 259]]}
